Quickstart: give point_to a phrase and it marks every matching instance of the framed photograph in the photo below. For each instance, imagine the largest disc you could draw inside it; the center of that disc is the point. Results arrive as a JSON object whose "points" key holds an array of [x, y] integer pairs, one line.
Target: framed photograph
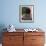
{"points": [[26, 13]]}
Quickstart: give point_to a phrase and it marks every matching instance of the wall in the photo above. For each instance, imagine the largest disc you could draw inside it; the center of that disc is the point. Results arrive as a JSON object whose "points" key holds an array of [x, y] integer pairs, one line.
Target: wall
{"points": [[9, 13]]}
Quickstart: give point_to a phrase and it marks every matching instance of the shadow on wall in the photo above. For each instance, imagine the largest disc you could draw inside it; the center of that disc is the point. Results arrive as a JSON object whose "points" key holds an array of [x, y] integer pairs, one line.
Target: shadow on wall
{"points": [[2, 26]]}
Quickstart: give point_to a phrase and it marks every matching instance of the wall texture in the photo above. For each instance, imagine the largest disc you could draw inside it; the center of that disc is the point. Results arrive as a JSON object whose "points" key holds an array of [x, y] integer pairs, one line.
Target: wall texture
{"points": [[9, 13]]}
